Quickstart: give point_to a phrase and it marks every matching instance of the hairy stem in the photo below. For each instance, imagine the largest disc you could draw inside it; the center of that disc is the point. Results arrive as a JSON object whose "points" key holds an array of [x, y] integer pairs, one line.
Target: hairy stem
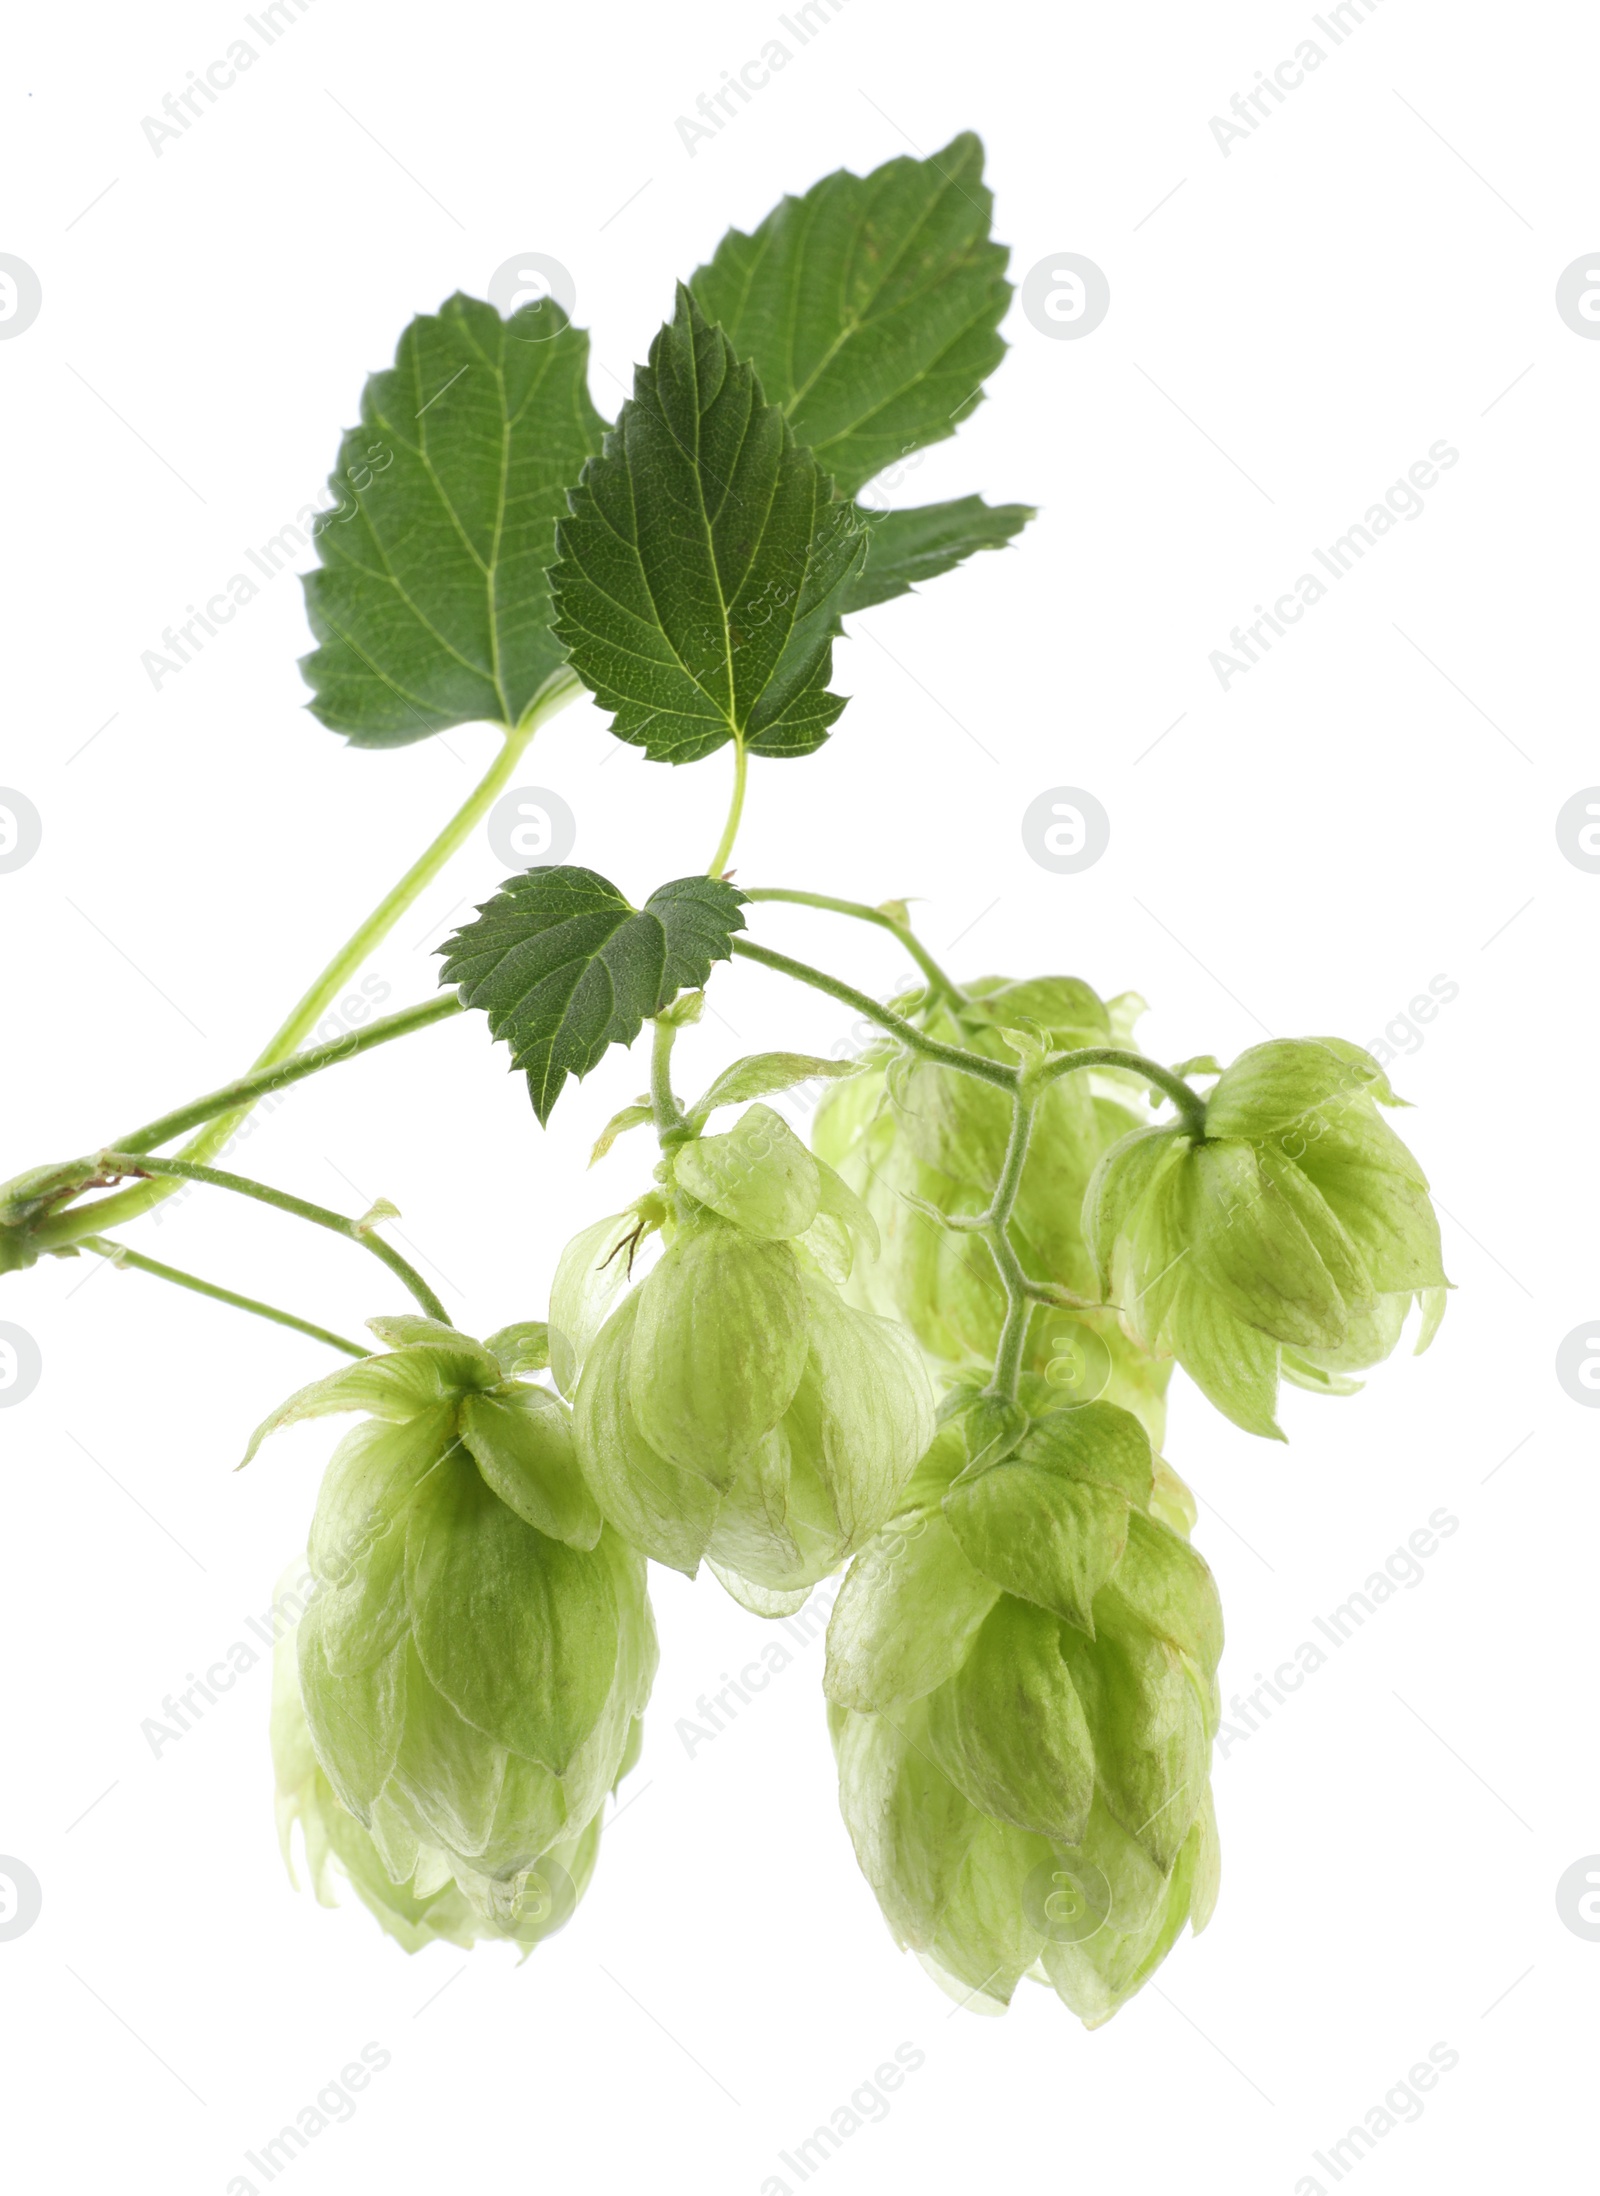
{"points": [[952, 1056], [730, 830], [1188, 1101], [232, 1101], [556, 692], [120, 1255], [669, 1115], [943, 984], [186, 1170]]}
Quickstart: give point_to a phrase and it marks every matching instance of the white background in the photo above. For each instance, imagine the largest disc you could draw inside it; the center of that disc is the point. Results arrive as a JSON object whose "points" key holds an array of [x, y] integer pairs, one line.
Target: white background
{"points": [[1370, 808]]}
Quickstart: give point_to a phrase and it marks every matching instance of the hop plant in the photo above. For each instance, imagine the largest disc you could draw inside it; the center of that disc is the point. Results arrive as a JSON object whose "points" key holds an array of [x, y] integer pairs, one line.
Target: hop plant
{"points": [[433, 1907], [921, 1144], [480, 1646], [1292, 1238], [733, 1408], [1022, 1658], [1021, 1676]]}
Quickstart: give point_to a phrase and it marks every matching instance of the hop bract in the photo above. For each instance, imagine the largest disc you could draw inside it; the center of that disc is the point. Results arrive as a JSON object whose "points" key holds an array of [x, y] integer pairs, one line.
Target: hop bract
{"points": [[480, 1645], [433, 1906], [1293, 1239], [734, 1408], [1021, 1668], [914, 1140]]}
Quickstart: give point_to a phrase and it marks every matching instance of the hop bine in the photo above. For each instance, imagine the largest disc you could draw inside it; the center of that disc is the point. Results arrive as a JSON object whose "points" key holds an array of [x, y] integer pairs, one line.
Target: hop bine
{"points": [[923, 1144], [480, 1647]]}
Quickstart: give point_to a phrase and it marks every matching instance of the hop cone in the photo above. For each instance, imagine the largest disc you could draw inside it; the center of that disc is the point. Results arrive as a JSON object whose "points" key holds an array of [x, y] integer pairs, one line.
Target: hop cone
{"points": [[1291, 1240], [734, 1408], [1021, 1671], [432, 1907], [480, 1646], [915, 1140]]}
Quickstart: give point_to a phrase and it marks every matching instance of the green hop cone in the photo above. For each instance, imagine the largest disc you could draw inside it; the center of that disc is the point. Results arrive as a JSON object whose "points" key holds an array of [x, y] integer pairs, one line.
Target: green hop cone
{"points": [[1022, 1685], [432, 1907], [1292, 1240], [480, 1645], [733, 1408], [915, 1140]]}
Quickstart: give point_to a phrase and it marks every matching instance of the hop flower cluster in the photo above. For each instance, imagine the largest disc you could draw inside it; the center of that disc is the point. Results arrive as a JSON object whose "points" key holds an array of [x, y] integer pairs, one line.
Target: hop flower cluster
{"points": [[1022, 1671], [1022, 1657], [473, 1667]]}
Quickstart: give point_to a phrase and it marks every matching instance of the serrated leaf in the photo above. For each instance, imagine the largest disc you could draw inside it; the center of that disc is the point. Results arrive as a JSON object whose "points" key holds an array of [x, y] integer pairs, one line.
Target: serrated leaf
{"points": [[907, 547], [761, 1074], [565, 967], [704, 562], [432, 600], [870, 307]]}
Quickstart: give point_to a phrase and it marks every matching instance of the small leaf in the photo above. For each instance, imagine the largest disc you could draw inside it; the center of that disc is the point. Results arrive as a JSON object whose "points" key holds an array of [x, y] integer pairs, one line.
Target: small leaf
{"points": [[871, 306], [524, 1348], [761, 1074], [905, 547], [704, 564], [432, 601], [564, 966], [631, 1117]]}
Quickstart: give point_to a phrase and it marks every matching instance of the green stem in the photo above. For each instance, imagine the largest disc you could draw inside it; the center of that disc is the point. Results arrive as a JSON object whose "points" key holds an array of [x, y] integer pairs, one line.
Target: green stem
{"points": [[1188, 1101], [730, 830], [997, 1221], [120, 1255], [556, 692], [952, 1056], [185, 1170], [670, 1124], [233, 1100], [941, 983]]}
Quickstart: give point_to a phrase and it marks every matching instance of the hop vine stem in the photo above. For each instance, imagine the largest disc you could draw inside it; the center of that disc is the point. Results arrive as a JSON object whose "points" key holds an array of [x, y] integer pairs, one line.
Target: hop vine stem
{"points": [[186, 1170], [118, 1254], [945, 985], [557, 691]]}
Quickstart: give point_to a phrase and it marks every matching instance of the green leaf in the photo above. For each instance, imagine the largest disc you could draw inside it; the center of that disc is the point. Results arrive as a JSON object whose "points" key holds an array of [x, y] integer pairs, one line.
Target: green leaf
{"points": [[704, 565], [432, 601], [630, 1117], [564, 966], [763, 1073], [870, 307], [907, 546]]}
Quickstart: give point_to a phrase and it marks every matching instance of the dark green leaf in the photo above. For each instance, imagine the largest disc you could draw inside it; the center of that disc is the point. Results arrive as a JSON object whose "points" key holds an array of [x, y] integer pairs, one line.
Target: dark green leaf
{"points": [[565, 967], [870, 307], [704, 563], [432, 602], [905, 547]]}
